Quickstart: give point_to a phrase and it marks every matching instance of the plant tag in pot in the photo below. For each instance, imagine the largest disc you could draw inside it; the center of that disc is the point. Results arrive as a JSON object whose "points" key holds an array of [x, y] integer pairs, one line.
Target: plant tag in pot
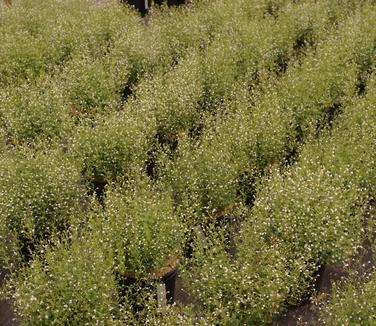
{"points": [[200, 235], [161, 296]]}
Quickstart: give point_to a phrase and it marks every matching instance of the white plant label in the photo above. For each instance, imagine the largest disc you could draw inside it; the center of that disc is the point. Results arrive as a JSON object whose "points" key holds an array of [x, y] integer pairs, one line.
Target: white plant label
{"points": [[200, 235], [161, 296]]}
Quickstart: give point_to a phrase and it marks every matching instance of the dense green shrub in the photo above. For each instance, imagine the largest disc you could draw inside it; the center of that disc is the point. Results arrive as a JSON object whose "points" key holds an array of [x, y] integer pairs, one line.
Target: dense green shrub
{"points": [[34, 113], [205, 175], [172, 98], [309, 97], [29, 49], [315, 211], [76, 279], [173, 34], [215, 98], [142, 227], [94, 85], [359, 38], [40, 196], [71, 283], [177, 31], [109, 149], [250, 289], [3, 140], [329, 186], [316, 90], [307, 216], [223, 65]]}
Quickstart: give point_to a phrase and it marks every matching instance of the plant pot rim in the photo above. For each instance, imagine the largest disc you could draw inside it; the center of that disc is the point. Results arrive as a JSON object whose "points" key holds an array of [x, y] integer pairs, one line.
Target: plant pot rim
{"points": [[220, 213], [168, 268]]}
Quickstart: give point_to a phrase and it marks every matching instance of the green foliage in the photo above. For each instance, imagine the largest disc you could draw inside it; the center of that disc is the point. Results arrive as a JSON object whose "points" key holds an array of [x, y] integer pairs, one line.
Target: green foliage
{"points": [[94, 85], [144, 230], [250, 289], [71, 283], [351, 302], [264, 106], [204, 175], [172, 98], [40, 195], [34, 113], [109, 149], [29, 49], [315, 211]]}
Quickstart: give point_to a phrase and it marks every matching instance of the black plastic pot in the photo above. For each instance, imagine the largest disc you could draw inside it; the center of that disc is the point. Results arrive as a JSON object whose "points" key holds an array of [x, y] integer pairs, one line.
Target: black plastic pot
{"points": [[170, 2], [27, 248], [131, 286], [141, 5], [176, 2], [97, 186]]}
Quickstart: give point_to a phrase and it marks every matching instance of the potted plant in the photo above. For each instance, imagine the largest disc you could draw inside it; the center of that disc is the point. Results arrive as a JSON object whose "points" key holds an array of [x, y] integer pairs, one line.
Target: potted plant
{"points": [[173, 99], [40, 196], [145, 234], [34, 113], [205, 178], [108, 150], [70, 283], [249, 289]]}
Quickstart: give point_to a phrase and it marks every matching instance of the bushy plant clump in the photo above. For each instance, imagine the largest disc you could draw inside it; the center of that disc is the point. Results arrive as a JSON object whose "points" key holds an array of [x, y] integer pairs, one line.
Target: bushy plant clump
{"points": [[252, 49], [34, 113], [250, 289], [144, 230], [337, 168], [309, 96], [171, 99], [310, 215], [30, 49], [70, 283], [352, 302], [204, 175], [94, 85], [40, 196], [109, 150], [180, 30]]}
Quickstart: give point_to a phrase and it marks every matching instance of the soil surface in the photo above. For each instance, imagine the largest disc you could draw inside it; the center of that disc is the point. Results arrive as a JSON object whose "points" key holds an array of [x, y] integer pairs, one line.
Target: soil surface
{"points": [[6, 311]]}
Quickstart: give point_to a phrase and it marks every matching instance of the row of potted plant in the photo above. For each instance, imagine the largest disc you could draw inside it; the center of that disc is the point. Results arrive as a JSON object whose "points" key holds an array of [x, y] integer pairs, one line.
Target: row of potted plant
{"points": [[30, 49], [302, 218], [93, 81], [142, 222]]}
